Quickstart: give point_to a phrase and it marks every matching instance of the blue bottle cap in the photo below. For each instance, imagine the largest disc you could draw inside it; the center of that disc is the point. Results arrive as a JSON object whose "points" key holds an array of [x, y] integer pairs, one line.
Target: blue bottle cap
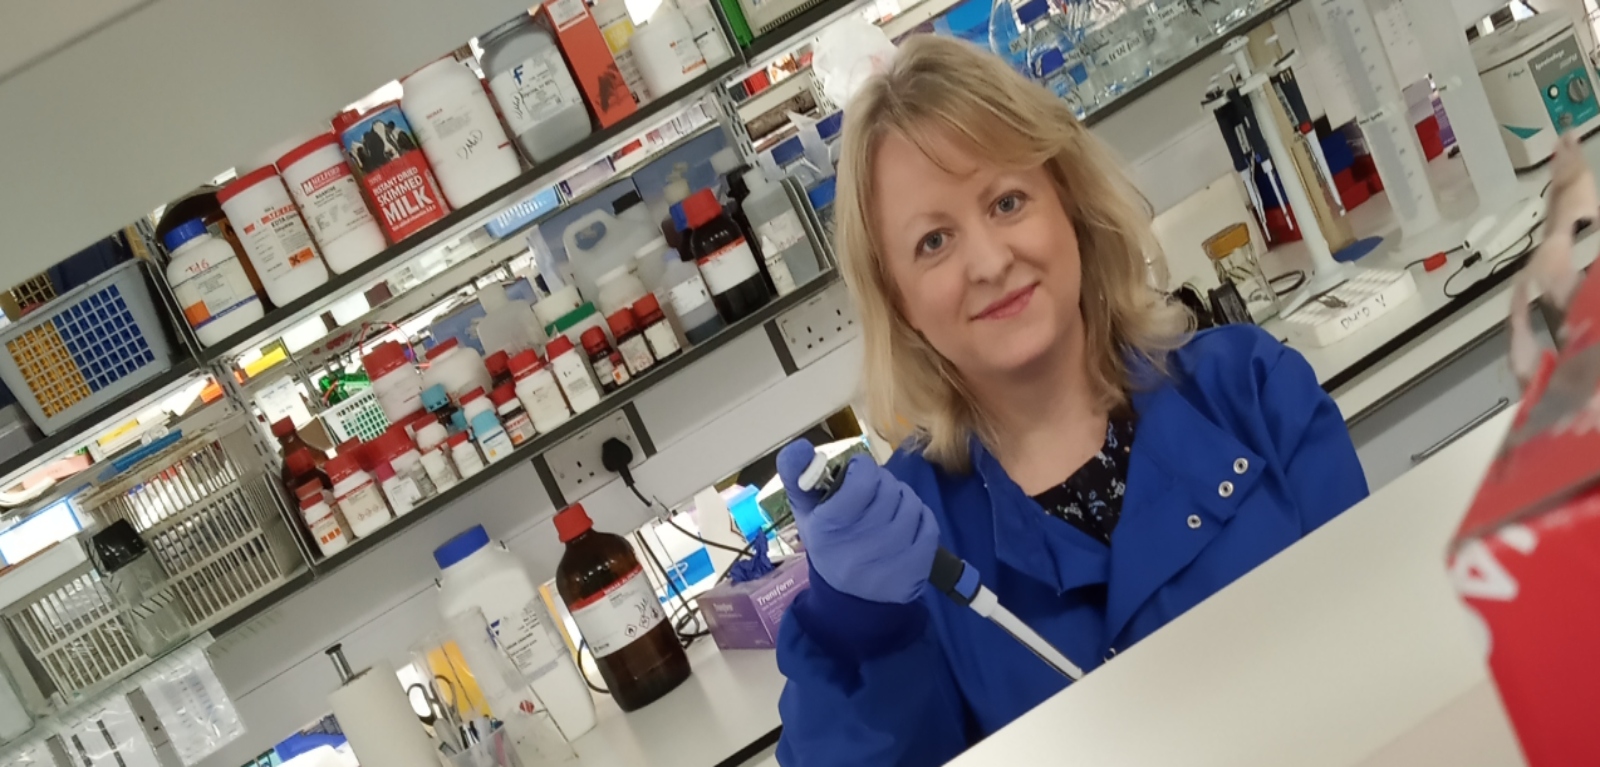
{"points": [[821, 195], [183, 233], [788, 151], [830, 125], [1032, 11], [434, 397], [1050, 62], [461, 546]]}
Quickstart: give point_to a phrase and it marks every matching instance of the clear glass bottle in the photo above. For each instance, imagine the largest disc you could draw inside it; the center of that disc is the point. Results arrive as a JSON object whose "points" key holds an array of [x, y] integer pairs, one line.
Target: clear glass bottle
{"points": [[1174, 30], [1234, 259], [1116, 38], [1005, 35]]}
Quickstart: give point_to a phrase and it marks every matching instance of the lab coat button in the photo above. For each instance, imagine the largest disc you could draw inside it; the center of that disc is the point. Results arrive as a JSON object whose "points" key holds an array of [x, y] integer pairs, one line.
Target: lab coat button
{"points": [[1225, 489], [1240, 466], [1194, 521]]}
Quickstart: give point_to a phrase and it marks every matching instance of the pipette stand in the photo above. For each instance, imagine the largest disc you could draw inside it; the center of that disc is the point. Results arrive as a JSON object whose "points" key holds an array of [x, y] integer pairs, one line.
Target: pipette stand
{"points": [[1337, 299]]}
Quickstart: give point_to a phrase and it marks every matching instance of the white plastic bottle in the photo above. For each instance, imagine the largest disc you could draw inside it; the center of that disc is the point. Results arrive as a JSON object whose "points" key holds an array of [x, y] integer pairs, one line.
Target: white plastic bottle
{"points": [[401, 492], [619, 288], [431, 443], [790, 258], [536, 93], [458, 130], [664, 47], [465, 455], [319, 179], [478, 574], [273, 234], [486, 429], [708, 37], [209, 283], [458, 368], [396, 448], [540, 393], [573, 373], [507, 326], [683, 289], [394, 380], [616, 26], [357, 496]]}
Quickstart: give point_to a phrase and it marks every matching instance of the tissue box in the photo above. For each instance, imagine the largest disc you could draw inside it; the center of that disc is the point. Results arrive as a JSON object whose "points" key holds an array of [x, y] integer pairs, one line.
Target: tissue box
{"points": [[1524, 558], [746, 615]]}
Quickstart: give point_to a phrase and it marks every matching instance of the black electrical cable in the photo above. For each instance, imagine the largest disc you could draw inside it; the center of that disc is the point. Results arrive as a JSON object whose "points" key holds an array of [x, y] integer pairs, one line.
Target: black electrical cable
{"points": [[712, 544], [1299, 276]]}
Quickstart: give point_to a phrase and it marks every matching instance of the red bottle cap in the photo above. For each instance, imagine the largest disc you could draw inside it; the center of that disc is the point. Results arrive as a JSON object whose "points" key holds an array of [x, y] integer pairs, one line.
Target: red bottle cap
{"points": [[282, 427], [594, 340], [502, 394], [558, 346], [440, 348], [383, 471], [471, 395], [459, 438], [341, 466], [621, 323], [572, 522], [700, 207], [525, 363], [647, 308], [310, 491], [300, 461], [307, 502], [498, 364], [387, 357]]}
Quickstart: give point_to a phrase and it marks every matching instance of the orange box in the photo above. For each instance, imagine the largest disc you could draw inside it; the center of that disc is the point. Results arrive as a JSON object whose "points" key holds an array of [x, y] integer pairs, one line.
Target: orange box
{"points": [[590, 60]]}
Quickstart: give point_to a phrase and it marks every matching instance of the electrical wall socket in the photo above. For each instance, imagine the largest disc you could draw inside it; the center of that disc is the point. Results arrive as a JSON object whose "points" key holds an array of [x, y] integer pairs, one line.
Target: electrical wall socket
{"points": [[820, 325], [575, 463]]}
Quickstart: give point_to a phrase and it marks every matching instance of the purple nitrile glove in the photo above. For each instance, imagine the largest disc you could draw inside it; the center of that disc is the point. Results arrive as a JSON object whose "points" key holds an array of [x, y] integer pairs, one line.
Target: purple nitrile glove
{"points": [[873, 539]]}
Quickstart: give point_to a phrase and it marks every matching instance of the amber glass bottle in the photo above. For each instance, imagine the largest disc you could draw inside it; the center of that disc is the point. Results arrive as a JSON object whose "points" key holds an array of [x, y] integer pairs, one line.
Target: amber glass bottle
{"points": [[616, 609]]}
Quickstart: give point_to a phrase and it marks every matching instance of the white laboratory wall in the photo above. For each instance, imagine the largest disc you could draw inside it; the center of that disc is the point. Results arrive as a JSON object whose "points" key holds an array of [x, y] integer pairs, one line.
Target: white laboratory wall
{"points": [[173, 92], [720, 413]]}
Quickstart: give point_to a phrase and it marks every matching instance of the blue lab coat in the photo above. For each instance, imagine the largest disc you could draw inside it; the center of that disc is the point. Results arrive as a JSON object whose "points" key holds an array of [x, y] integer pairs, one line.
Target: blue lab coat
{"points": [[1237, 454]]}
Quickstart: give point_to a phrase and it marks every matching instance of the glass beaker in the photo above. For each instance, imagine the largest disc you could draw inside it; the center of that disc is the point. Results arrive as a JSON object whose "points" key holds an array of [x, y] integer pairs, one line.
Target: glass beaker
{"points": [[1234, 257]]}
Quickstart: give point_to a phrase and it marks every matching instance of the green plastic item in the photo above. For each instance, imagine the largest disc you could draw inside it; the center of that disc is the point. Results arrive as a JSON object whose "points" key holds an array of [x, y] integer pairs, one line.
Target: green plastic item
{"points": [[741, 28]]}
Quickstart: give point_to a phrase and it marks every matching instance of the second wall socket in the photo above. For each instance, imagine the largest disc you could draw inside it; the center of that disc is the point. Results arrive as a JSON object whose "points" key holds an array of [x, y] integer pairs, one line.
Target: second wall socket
{"points": [[825, 322], [575, 463]]}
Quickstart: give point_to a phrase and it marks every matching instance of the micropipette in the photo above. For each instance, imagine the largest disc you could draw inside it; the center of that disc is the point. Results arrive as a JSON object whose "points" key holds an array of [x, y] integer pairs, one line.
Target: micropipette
{"points": [[958, 580]]}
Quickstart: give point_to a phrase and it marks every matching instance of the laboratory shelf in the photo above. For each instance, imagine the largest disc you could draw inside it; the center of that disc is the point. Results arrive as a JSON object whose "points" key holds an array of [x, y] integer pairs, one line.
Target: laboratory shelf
{"points": [[81, 431], [610, 404], [1243, 27], [464, 218], [795, 31]]}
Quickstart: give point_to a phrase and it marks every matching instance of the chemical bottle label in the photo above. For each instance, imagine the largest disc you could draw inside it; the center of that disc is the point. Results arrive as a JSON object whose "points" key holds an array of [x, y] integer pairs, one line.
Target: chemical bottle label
{"points": [[208, 291], [578, 385], [491, 437], [781, 233], [532, 92], [728, 267], [617, 28], [526, 641], [403, 493], [363, 508], [690, 61], [330, 537], [277, 242], [620, 614], [1119, 51], [331, 202], [457, 132], [687, 296], [636, 354], [519, 428], [663, 342]]}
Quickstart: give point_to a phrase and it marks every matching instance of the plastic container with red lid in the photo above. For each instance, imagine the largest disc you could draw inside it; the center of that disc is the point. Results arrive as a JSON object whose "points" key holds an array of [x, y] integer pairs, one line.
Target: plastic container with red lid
{"points": [[356, 494], [456, 367], [657, 331], [630, 342], [320, 181], [573, 373], [395, 381], [274, 236]]}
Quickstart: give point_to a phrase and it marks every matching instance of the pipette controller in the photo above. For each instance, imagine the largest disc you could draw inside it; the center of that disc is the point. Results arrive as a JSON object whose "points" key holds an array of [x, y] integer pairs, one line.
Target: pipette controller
{"points": [[956, 579]]}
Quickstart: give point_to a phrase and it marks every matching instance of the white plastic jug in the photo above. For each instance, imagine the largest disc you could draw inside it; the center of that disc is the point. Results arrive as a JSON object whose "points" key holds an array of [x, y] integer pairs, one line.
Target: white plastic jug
{"points": [[600, 242]]}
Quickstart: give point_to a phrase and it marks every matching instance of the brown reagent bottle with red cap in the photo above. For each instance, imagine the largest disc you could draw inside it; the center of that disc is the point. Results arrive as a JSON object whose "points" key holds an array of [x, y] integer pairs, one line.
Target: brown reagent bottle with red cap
{"points": [[616, 609]]}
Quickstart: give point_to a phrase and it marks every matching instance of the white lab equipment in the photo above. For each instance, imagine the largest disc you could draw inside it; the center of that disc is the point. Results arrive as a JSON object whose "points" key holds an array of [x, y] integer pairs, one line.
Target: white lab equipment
{"points": [[507, 325], [1539, 85]]}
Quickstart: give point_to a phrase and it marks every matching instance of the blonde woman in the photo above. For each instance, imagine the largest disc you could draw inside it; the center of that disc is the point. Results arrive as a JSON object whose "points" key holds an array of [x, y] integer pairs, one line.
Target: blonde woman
{"points": [[1061, 430]]}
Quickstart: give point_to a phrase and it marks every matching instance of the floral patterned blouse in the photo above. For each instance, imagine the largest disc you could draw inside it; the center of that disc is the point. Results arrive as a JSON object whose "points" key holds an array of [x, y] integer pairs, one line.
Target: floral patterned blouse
{"points": [[1091, 499]]}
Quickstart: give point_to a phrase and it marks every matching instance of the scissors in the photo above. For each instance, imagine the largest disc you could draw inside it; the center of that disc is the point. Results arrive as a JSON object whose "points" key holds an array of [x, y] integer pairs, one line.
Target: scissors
{"points": [[453, 734]]}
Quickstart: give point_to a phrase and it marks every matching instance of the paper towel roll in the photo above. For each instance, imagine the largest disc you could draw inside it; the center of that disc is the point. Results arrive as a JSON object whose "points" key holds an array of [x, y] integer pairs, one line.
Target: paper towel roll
{"points": [[377, 719]]}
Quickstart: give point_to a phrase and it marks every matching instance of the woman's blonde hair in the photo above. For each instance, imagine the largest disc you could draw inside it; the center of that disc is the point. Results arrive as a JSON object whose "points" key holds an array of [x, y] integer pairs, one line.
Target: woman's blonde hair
{"points": [[941, 88]]}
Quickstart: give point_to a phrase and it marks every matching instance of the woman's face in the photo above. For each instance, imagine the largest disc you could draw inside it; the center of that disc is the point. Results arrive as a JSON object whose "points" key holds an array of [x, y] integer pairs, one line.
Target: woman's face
{"points": [[985, 259]]}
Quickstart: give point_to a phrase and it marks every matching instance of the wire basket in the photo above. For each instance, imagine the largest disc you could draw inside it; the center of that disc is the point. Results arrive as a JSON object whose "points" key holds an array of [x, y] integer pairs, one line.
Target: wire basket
{"points": [[359, 417], [75, 631], [75, 354], [211, 523]]}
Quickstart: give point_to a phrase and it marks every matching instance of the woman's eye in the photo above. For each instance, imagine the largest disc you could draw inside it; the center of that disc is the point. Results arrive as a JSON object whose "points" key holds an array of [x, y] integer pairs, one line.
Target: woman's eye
{"points": [[931, 243], [1009, 203]]}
